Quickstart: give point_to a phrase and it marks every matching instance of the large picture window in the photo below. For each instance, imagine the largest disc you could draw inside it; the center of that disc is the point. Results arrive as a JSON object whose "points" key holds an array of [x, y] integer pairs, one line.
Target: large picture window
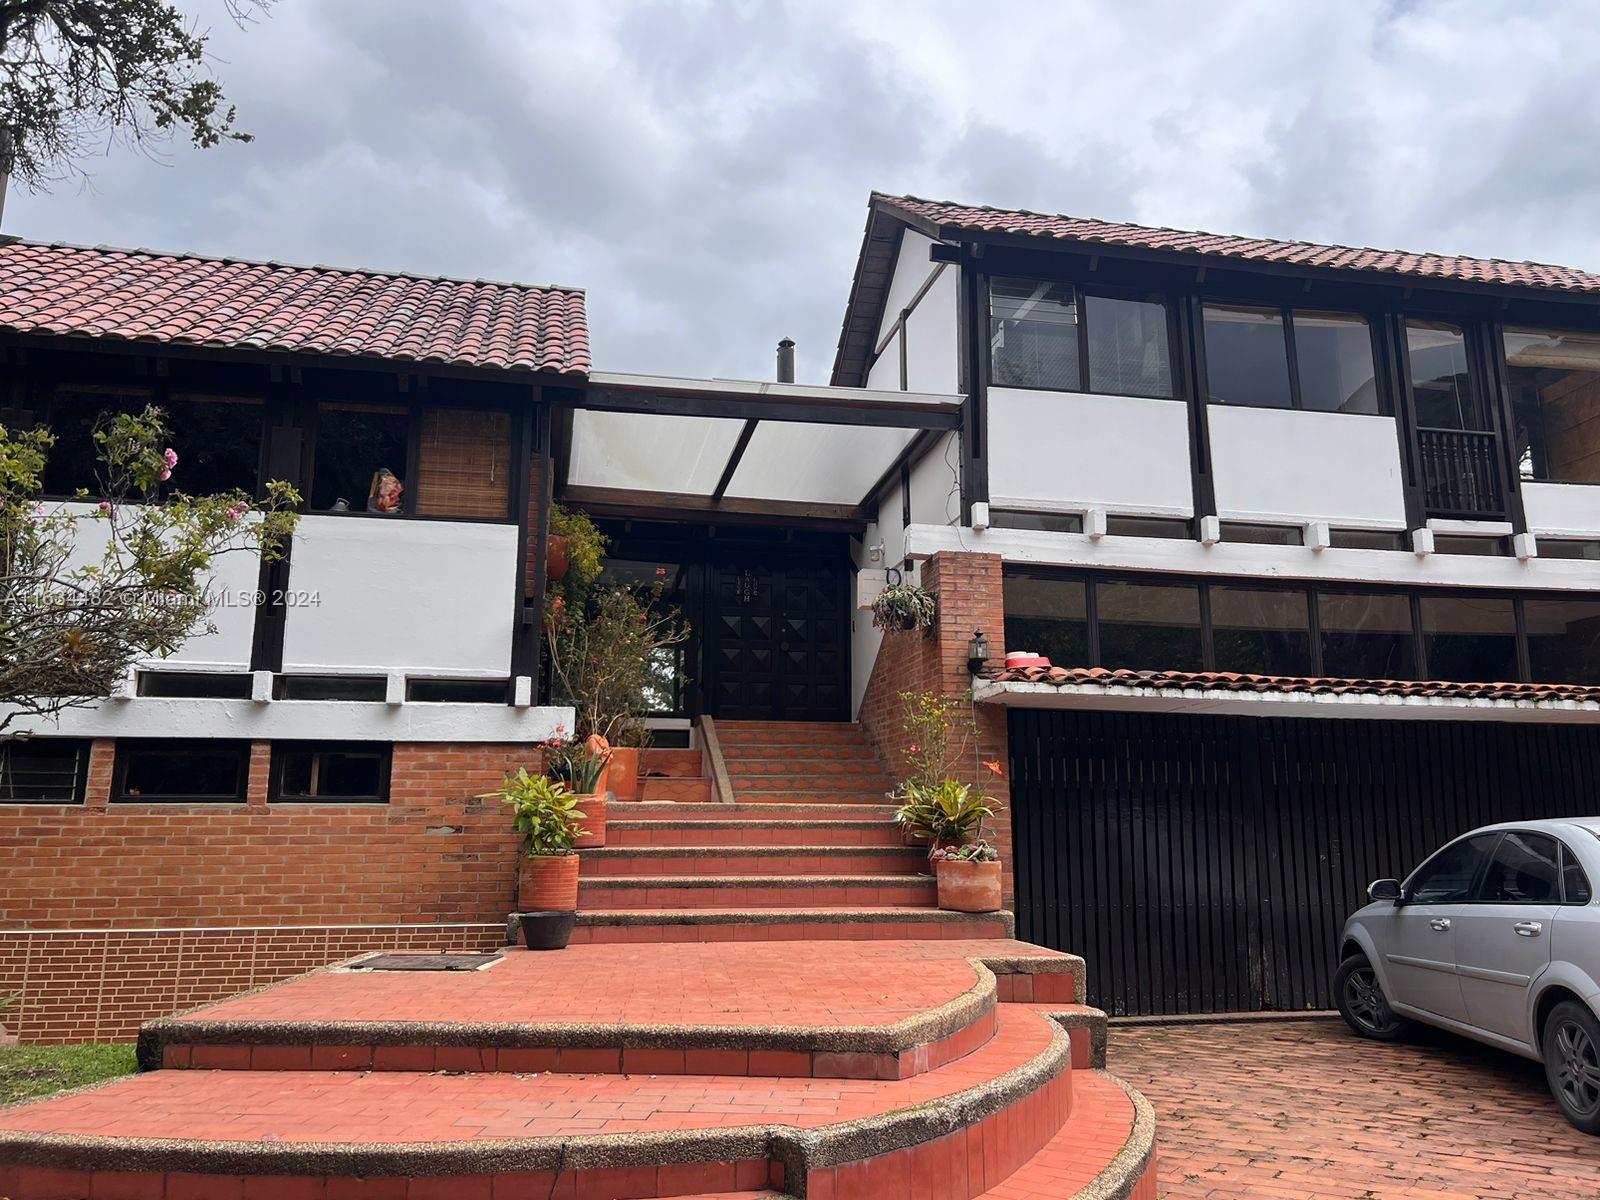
{"points": [[1366, 635], [1149, 626], [1057, 337], [1563, 639], [1554, 380], [1048, 616], [1261, 631], [362, 452], [1290, 358], [1470, 639]]}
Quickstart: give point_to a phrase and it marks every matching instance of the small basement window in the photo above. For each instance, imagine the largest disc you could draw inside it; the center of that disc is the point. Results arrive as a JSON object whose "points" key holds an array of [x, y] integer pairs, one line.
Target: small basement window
{"points": [[43, 770], [1263, 535], [1569, 548], [1493, 547], [457, 691], [204, 685], [1157, 527], [1367, 539], [180, 770], [348, 772], [330, 687]]}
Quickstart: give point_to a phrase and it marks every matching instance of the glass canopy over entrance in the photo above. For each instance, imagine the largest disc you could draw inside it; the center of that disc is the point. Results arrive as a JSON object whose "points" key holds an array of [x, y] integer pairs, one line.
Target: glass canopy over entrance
{"points": [[719, 446]]}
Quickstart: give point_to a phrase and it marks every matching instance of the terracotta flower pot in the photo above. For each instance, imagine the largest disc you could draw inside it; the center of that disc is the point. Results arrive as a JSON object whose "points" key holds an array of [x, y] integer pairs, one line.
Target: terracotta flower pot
{"points": [[972, 887], [556, 558], [622, 772], [593, 825], [548, 883]]}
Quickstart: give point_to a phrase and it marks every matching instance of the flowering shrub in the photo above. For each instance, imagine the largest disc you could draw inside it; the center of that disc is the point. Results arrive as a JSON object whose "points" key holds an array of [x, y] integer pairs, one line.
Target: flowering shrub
{"points": [[84, 596]]}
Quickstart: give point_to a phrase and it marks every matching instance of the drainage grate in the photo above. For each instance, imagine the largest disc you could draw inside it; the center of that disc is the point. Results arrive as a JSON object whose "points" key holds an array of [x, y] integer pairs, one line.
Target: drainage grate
{"points": [[426, 962]]}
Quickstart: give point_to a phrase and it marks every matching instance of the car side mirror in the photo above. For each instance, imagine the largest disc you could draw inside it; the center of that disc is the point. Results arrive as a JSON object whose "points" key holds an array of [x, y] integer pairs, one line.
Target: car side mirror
{"points": [[1385, 889]]}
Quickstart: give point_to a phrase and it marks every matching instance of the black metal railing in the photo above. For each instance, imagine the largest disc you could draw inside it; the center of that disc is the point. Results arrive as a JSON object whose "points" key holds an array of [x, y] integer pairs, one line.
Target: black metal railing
{"points": [[1459, 473]]}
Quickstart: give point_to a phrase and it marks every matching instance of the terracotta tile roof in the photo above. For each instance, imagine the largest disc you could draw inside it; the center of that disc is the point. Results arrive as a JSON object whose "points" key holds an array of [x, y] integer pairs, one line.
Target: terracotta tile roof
{"points": [[186, 299], [954, 219], [1228, 681]]}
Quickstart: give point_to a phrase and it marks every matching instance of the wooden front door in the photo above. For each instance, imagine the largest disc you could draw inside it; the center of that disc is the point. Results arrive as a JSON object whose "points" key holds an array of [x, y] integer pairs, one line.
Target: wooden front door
{"points": [[779, 639]]}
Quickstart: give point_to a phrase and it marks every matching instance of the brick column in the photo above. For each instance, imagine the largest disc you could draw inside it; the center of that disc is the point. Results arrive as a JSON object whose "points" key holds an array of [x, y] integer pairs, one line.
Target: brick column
{"points": [[255, 791], [102, 761], [969, 588]]}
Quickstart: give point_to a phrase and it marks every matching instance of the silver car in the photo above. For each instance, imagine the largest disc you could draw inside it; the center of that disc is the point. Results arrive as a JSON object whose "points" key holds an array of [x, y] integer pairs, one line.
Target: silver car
{"points": [[1497, 937]]}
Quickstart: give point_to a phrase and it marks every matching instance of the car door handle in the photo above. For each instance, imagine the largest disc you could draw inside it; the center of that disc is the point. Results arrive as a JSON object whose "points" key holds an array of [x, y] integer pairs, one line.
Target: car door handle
{"points": [[1440, 924], [1528, 928]]}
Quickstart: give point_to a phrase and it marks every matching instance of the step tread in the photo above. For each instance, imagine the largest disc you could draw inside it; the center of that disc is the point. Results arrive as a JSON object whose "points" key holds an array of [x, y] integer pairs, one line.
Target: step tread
{"points": [[785, 916], [785, 851], [1097, 1152], [716, 881], [273, 1112]]}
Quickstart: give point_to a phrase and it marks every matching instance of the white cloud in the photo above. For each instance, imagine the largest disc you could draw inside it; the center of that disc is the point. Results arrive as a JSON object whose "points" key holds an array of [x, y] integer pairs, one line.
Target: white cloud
{"points": [[703, 168]]}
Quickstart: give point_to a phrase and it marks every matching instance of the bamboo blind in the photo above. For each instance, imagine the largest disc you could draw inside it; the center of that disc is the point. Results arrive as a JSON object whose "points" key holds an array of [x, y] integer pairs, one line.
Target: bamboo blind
{"points": [[464, 466]]}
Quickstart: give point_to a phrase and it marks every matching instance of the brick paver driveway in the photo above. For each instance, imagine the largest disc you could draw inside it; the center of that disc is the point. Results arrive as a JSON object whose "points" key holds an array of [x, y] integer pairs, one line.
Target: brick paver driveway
{"points": [[1305, 1109]]}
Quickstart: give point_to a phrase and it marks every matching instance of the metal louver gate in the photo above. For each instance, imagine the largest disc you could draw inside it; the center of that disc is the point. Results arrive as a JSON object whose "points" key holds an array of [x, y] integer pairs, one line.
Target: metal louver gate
{"points": [[1207, 864]]}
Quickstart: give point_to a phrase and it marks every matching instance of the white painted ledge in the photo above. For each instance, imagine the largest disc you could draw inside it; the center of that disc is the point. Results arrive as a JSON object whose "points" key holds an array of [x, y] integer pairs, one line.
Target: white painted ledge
{"points": [[309, 720]]}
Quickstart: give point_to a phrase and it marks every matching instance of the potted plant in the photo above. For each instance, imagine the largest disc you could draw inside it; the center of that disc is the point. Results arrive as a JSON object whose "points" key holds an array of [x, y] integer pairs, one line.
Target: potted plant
{"points": [[545, 813], [969, 877], [575, 544], [903, 607], [581, 766], [949, 817]]}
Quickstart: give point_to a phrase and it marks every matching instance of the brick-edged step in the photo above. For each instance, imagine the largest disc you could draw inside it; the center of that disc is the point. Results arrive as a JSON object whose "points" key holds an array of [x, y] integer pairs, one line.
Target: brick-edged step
{"points": [[679, 764], [772, 792], [756, 891], [764, 860], [772, 733], [754, 832], [780, 924], [836, 769]]}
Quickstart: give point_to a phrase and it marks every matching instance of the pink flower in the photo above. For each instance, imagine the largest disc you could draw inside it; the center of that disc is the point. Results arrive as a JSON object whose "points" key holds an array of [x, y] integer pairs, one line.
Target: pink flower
{"points": [[40, 510], [105, 506], [170, 456]]}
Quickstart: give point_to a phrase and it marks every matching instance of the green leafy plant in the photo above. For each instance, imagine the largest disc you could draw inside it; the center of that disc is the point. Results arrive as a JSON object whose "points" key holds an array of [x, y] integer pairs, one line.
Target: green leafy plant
{"points": [[543, 811], [579, 764], [948, 814], [607, 659], [586, 547], [903, 606], [937, 733], [979, 851]]}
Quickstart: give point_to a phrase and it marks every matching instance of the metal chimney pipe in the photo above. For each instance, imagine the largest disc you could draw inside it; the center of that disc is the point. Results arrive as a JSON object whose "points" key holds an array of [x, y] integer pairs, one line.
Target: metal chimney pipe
{"points": [[786, 361]]}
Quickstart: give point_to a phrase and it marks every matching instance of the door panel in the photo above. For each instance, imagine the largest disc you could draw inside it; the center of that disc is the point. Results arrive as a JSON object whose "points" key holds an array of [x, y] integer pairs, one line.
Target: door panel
{"points": [[1503, 942], [1420, 959], [779, 643]]}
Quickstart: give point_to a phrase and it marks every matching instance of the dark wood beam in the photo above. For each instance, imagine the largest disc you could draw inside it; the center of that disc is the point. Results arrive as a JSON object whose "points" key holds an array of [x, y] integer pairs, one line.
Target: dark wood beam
{"points": [[739, 447], [897, 414], [656, 506]]}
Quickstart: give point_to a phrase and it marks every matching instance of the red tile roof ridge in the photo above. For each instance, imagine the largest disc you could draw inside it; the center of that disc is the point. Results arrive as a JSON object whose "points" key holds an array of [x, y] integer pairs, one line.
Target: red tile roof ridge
{"points": [[1424, 263], [7, 240]]}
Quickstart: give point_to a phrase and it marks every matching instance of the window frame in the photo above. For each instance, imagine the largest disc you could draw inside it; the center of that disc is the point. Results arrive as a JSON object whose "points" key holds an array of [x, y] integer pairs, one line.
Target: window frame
{"points": [[1497, 339], [1482, 881], [1412, 595], [126, 747], [1473, 887], [1169, 308], [278, 764], [1566, 857], [1285, 314], [1476, 342], [80, 781]]}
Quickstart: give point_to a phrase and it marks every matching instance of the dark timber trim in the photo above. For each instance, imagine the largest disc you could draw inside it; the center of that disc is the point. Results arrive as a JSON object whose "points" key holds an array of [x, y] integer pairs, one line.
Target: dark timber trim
{"points": [[530, 625], [625, 502], [734, 458], [760, 406], [527, 440]]}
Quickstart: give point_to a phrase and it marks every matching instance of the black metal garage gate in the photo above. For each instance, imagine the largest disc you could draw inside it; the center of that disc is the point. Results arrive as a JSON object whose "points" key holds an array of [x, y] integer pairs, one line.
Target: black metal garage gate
{"points": [[1207, 864]]}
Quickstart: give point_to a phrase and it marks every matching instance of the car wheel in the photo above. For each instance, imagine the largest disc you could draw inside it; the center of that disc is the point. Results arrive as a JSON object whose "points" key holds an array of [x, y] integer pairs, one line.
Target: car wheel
{"points": [[1571, 1044], [1362, 1003]]}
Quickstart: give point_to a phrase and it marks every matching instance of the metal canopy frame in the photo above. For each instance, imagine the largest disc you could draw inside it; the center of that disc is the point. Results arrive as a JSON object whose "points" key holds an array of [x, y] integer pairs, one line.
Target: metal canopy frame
{"points": [[918, 414]]}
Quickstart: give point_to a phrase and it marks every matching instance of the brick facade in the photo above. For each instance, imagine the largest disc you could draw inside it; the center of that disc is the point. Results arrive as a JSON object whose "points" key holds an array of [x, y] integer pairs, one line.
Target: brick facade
{"points": [[326, 880], [970, 598]]}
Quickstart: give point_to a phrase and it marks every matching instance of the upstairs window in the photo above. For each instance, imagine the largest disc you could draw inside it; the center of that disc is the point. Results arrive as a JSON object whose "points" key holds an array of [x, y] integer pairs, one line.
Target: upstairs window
{"points": [[1290, 358], [74, 461], [1055, 336], [464, 463], [361, 457], [1443, 391], [1555, 403]]}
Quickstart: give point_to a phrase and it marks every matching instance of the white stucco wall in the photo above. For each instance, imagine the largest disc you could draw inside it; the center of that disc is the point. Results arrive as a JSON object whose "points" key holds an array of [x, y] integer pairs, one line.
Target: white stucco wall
{"points": [[422, 596], [932, 334], [936, 486], [231, 584], [1066, 451], [1279, 465], [1564, 509]]}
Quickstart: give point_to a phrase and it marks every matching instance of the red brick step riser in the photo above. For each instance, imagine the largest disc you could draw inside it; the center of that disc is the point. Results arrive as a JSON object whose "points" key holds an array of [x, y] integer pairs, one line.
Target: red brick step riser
{"points": [[711, 834], [648, 892], [682, 791], [882, 811], [682, 764], [711, 860], [704, 925], [808, 768]]}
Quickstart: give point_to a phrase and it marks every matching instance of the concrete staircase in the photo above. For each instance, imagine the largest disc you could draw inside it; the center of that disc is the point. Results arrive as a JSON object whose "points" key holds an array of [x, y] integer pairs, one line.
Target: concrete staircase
{"points": [[808, 848]]}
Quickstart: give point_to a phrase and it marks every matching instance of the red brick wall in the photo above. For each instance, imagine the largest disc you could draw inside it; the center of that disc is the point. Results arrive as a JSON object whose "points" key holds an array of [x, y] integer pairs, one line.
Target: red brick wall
{"points": [[370, 875], [970, 599]]}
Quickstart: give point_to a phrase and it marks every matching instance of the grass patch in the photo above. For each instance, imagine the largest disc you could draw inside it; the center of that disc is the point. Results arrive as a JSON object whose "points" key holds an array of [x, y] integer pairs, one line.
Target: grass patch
{"points": [[28, 1071]]}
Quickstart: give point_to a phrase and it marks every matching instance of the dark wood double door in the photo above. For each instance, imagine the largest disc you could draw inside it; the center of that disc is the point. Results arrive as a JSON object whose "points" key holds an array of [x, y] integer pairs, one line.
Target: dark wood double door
{"points": [[778, 641]]}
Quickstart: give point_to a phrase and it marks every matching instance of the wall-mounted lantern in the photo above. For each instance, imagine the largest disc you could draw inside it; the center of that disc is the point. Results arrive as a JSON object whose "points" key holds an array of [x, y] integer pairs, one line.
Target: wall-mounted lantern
{"points": [[977, 652]]}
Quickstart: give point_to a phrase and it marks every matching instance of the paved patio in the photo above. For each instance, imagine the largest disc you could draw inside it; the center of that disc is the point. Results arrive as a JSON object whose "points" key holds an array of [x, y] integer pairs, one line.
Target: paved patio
{"points": [[1305, 1110]]}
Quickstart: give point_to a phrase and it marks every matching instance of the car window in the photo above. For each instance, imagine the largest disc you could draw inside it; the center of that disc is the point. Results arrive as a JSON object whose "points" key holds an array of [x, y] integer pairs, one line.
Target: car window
{"points": [[1447, 877], [1575, 887], [1523, 870]]}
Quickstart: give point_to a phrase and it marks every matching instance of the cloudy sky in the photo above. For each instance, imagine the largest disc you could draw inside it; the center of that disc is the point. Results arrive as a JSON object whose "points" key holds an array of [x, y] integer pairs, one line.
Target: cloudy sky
{"points": [[703, 169]]}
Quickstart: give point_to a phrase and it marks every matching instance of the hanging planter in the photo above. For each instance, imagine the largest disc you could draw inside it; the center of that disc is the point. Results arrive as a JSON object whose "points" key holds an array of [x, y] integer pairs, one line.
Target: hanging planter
{"points": [[903, 607]]}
